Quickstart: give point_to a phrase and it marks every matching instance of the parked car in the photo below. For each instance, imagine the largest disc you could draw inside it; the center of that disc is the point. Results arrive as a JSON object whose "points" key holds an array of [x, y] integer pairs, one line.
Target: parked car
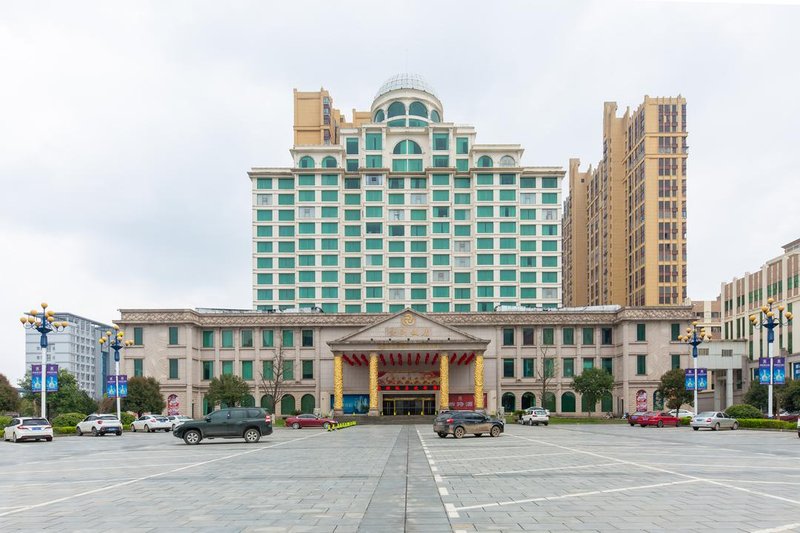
{"points": [[177, 420], [534, 417], [309, 421], [634, 418], [788, 416], [529, 409], [459, 423], [249, 423], [22, 428], [152, 423], [654, 418], [713, 420], [99, 425], [682, 413]]}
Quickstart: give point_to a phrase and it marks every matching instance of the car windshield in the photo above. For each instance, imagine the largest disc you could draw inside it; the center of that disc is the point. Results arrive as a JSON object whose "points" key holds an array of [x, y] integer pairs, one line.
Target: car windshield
{"points": [[107, 417], [35, 422], [706, 414]]}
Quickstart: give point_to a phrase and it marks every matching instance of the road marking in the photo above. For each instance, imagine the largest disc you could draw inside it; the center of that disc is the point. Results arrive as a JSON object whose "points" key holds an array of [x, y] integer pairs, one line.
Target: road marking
{"points": [[759, 482], [443, 491], [451, 510], [546, 469], [437, 478], [121, 467], [509, 456], [144, 478], [448, 507], [787, 527], [578, 494]]}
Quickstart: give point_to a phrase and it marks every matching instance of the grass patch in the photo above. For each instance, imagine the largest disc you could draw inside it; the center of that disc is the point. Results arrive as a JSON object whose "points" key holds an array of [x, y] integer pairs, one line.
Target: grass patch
{"points": [[765, 423]]}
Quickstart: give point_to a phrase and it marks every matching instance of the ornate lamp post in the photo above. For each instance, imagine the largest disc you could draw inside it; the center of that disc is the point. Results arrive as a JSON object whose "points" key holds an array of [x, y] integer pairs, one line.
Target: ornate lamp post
{"points": [[44, 325], [115, 342], [694, 339], [770, 322]]}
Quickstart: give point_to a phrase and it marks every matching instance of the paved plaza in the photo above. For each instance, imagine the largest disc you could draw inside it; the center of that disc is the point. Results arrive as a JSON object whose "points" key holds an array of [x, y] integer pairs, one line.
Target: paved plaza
{"points": [[405, 478]]}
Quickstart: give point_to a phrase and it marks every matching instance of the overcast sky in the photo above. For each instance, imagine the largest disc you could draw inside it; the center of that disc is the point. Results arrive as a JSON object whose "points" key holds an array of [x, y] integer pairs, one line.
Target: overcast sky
{"points": [[126, 130]]}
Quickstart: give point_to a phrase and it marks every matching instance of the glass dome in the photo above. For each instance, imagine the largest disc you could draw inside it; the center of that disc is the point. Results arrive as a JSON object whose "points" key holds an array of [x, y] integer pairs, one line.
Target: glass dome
{"points": [[406, 81]]}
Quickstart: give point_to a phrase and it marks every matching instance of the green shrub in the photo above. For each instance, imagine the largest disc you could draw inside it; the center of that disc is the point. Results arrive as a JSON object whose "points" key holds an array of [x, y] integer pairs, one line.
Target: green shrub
{"points": [[743, 411], [766, 423], [279, 423], [686, 420], [68, 419], [4, 421], [65, 430], [126, 419]]}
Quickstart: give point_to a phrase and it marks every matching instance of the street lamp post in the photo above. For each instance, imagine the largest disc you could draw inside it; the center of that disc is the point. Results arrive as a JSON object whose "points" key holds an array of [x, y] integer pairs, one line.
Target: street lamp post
{"points": [[115, 342], [695, 338], [770, 322], [45, 325]]}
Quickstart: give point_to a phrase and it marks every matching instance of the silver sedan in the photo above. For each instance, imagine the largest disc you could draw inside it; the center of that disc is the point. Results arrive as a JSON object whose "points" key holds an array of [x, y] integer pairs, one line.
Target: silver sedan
{"points": [[713, 420]]}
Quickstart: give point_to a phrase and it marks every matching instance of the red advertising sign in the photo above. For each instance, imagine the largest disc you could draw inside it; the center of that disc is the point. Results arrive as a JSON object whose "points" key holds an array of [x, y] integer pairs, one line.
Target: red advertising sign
{"points": [[464, 402], [173, 405], [641, 400]]}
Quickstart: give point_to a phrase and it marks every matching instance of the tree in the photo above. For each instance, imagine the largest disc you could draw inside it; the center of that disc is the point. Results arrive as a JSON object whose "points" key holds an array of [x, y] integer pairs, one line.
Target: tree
{"points": [[144, 395], [274, 384], [593, 383], [758, 395], [545, 373], [673, 388], [9, 397], [790, 396], [228, 389], [68, 399]]}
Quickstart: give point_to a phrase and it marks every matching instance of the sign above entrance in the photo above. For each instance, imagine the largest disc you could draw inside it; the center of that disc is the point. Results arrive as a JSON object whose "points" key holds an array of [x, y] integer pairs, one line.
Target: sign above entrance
{"points": [[408, 378]]}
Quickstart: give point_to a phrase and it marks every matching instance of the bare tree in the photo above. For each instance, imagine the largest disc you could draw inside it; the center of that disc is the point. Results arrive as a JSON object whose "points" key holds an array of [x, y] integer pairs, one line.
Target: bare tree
{"points": [[547, 371], [275, 385]]}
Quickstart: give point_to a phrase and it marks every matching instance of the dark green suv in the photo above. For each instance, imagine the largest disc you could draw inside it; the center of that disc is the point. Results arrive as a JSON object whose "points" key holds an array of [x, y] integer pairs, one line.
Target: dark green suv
{"points": [[249, 423]]}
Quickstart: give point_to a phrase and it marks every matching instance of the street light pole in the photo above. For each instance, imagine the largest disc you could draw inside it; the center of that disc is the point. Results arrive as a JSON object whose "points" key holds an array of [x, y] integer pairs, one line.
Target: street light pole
{"points": [[44, 326], [770, 322], [115, 342], [694, 340]]}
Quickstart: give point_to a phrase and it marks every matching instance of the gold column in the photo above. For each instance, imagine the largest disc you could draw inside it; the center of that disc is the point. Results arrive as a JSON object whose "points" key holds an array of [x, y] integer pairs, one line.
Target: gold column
{"points": [[373, 384], [479, 382], [338, 385], [444, 382]]}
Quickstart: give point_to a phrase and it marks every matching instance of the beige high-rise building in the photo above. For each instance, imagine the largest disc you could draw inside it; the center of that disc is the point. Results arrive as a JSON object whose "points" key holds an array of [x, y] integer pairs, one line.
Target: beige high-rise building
{"points": [[625, 221]]}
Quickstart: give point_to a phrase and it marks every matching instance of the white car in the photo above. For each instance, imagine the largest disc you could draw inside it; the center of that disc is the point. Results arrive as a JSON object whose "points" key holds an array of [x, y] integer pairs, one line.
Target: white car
{"points": [[535, 416], [177, 420], [151, 423], [20, 429], [682, 413], [99, 425]]}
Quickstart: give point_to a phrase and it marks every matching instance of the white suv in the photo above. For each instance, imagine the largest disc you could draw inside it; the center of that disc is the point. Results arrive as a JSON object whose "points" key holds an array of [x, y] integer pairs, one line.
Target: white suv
{"points": [[99, 425], [535, 416]]}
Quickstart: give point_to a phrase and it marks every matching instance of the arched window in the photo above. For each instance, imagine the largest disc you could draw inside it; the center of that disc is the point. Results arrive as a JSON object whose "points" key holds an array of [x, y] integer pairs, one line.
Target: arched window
{"points": [[509, 402], [549, 401], [568, 402], [306, 162], [528, 400], [406, 147], [379, 116], [268, 403], [307, 403], [329, 162], [418, 109], [485, 162], [507, 161], [248, 401], [607, 403], [658, 401], [435, 116], [287, 405], [588, 404], [396, 109]]}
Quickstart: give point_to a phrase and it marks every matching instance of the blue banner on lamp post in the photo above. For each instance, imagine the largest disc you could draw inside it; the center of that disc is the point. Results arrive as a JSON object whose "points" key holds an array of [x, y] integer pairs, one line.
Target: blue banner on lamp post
{"points": [[797, 370], [779, 370], [763, 370], [51, 374], [36, 378], [702, 379], [689, 383], [123, 386]]}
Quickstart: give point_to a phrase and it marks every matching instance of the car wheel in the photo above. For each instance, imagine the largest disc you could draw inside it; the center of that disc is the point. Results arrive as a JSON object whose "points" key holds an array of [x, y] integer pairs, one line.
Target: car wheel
{"points": [[495, 431], [14, 437], [146, 428], [545, 423], [296, 425], [643, 425], [173, 427], [49, 439], [735, 426], [443, 435], [696, 429], [119, 433], [192, 437], [95, 433], [458, 432], [660, 424], [252, 435], [678, 423], [78, 431], [716, 426], [632, 424], [133, 428]]}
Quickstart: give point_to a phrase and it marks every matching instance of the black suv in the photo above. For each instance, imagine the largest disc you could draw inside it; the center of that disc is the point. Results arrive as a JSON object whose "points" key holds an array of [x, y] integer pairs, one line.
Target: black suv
{"points": [[249, 423], [461, 422]]}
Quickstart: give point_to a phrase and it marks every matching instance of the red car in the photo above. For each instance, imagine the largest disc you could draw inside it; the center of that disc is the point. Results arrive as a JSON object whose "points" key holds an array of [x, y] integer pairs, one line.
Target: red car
{"points": [[309, 421], [634, 418], [653, 418]]}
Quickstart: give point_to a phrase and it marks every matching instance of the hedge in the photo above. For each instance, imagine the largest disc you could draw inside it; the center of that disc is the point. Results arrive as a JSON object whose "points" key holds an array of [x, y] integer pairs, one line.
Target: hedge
{"points": [[766, 423], [279, 423], [64, 430], [68, 419], [4, 421], [743, 411]]}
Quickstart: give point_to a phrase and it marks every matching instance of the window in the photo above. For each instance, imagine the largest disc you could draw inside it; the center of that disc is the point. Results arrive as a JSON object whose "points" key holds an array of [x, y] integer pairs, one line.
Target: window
{"points": [[588, 363], [528, 368], [173, 369], [246, 338], [607, 364], [137, 336], [308, 369], [441, 141], [588, 336], [373, 141], [288, 370], [606, 336], [268, 370], [267, 338], [374, 161], [138, 370], [173, 335], [508, 368], [508, 336], [208, 370], [208, 339], [676, 361], [641, 332], [288, 338], [568, 369], [307, 338], [527, 336], [675, 333], [641, 365], [305, 162], [548, 336], [485, 162], [549, 367]]}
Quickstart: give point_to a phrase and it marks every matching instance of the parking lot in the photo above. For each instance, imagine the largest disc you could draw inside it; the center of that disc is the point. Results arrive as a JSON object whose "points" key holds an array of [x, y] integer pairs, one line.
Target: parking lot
{"points": [[405, 478]]}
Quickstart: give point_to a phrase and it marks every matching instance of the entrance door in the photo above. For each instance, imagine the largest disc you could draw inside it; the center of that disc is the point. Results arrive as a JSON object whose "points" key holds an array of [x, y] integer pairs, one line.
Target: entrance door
{"points": [[409, 405]]}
